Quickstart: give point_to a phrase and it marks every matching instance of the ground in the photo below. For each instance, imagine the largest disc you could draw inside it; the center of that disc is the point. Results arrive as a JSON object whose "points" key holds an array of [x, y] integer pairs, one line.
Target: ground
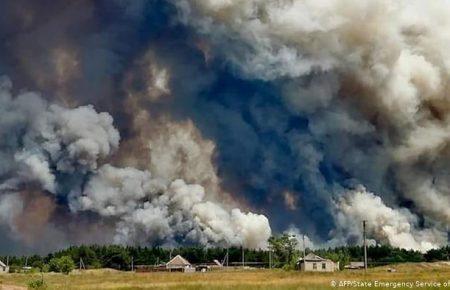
{"points": [[237, 279]]}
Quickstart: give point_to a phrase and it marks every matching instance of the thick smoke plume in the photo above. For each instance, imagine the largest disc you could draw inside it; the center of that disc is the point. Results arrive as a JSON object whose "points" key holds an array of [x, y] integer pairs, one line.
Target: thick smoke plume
{"points": [[397, 227], [57, 151], [371, 78], [152, 210], [41, 141], [318, 114]]}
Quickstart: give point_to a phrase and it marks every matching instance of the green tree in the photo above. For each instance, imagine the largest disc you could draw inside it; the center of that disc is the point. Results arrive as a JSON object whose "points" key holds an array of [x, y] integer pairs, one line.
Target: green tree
{"points": [[116, 257], [442, 254], [64, 264], [284, 250], [87, 254], [53, 265]]}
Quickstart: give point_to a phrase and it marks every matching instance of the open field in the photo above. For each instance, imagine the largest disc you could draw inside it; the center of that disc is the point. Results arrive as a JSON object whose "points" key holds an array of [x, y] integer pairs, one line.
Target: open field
{"points": [[235, 279]]}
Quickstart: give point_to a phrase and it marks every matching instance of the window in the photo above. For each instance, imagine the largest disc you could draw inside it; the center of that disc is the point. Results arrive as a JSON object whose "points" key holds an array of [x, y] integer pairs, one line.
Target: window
{"points": [[324, 266], [314, 266]]}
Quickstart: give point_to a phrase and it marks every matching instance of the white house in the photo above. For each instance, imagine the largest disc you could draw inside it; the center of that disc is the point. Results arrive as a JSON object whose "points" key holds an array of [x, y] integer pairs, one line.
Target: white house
{"points": [[314, 263], [3, 268]]}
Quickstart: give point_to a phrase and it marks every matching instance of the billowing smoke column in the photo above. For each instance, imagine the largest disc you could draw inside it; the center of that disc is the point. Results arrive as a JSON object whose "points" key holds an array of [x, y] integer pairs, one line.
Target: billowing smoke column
{"points": [[397, 227], [318, 114], [150, 210], [40, 140], [46, 150], [371, 79], [51, 150]]}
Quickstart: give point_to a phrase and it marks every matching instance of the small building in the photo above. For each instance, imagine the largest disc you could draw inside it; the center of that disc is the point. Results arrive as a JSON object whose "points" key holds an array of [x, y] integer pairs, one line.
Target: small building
{"points": [[3, 268], [179, 263], [355, 266], [314, 263], [214, 265]]}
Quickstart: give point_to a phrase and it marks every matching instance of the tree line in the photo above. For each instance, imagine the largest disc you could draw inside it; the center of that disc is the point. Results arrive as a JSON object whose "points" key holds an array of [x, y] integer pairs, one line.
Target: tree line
{"points": [[282, 253]]}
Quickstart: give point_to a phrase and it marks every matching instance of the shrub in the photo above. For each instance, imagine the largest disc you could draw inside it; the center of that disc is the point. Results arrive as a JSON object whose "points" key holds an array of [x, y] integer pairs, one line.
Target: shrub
{"points": [[45, 268], [14, 269], [65, 264], [37, 284]]}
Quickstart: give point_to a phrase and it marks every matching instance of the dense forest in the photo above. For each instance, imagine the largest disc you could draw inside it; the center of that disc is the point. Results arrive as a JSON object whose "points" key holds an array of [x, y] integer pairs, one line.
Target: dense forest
{"points": [[282, 252]]}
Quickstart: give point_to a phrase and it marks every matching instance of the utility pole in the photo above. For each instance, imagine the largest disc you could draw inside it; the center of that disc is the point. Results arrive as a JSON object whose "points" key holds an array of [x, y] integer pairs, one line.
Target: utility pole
{"points": [[448, 239], [243, 257], [304, 247], [228, 257], [365, 245], [270, 258], [170, 258], [82, 266], [132, 263], [225, 259]]}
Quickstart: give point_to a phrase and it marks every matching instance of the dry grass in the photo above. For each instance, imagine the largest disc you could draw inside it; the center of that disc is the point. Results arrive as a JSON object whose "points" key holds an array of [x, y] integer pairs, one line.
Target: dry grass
{"points": [[232, 279]]}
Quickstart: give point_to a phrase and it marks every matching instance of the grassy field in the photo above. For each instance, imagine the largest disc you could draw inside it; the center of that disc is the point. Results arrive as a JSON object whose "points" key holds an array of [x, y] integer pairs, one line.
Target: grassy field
{"points": [[235, 279]]}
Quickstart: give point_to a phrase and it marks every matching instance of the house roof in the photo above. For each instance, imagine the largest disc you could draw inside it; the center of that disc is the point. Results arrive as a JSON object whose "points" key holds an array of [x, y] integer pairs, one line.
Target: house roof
{"points": [[178, 261], [2, 264], [313, 257]]}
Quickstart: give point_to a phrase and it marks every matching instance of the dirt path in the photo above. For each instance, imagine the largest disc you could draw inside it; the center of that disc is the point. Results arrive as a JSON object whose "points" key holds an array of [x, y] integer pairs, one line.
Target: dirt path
{"points": [[11, 287]]}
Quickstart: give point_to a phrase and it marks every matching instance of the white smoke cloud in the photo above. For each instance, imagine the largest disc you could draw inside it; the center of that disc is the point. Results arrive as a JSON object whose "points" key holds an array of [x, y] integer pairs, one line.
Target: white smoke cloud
{"points": [[177, 150], [86, 135], [147, 209], [303, 241], [45, 149], [41, 139], [35, 167], [235, 227], [10, 206], [116, 191], [396, 226], [152, 210]]}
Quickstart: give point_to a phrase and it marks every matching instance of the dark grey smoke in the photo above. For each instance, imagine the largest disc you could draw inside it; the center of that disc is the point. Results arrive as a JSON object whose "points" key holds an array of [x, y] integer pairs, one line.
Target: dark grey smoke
{"points": [[303, 111]]}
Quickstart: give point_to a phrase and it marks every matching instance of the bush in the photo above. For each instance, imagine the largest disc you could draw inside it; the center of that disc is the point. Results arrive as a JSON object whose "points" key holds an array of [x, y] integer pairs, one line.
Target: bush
{"points": [[45, 268], [32, 271], [95, 265], [14, 269], [65, 264], [38, 264], [37, 284]]}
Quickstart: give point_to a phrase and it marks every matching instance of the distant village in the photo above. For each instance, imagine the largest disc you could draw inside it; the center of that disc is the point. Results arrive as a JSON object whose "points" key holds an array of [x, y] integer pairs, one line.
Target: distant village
{"points": [[310, 263], [281, 254]]}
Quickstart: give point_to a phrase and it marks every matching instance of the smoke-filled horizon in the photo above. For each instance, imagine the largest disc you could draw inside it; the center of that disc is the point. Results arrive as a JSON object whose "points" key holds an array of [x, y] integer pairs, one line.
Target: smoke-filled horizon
{"points": [[219, 122]]}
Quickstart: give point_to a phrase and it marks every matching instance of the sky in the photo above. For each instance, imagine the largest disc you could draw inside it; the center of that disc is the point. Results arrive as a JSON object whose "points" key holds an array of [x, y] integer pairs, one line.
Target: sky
{"points": [[220, 123]]}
